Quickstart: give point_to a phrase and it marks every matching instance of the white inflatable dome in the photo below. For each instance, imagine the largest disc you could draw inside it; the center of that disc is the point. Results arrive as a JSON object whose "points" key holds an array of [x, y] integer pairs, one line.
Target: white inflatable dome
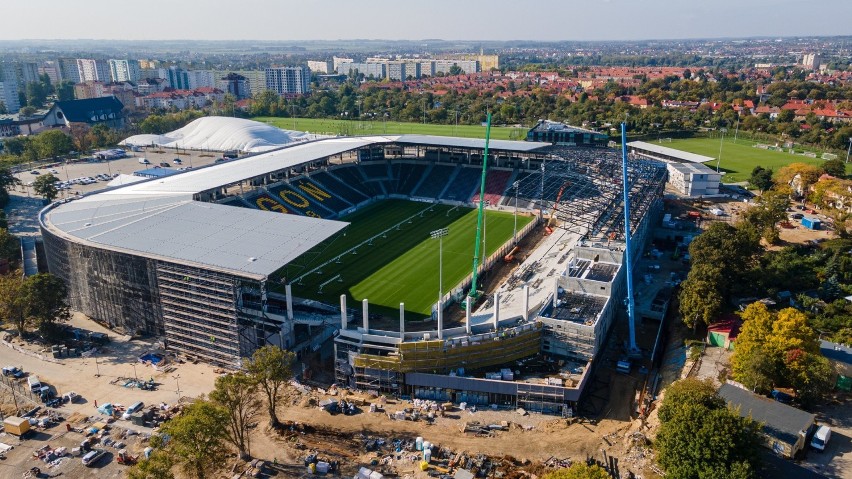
{"points": [[220, 133]]}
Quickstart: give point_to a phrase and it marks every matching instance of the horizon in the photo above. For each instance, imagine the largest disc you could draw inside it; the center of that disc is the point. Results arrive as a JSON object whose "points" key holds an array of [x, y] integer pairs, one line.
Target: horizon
{"points": [[496, 20]]}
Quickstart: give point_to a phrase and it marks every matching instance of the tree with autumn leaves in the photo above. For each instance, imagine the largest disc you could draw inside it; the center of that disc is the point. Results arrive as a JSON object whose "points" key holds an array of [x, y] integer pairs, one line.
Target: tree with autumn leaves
{"points": [[780, 350]]}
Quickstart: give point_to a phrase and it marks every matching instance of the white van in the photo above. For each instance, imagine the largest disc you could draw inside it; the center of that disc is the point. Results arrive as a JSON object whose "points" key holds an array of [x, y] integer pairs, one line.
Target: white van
{"points": [[821, 437], [34, 383], [132, 409], [144, 161]]}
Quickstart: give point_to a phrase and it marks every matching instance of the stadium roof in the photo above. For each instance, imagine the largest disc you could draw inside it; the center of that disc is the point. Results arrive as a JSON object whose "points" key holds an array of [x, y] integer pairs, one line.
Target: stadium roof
{"points": [[159, 218], [504, 145], [669, 153], [219, 133]]}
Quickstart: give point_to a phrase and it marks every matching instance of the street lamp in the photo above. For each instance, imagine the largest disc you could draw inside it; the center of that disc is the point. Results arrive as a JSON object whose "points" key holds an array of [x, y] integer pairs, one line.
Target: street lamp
{"points": [[721, 139], [516, 184], [439, 235], [177, 381], [848, 150], [134, 371]]}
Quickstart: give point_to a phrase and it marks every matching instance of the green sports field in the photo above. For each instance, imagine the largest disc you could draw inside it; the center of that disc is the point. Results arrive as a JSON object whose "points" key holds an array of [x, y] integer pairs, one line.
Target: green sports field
{"points": [[740, 157], [403, 267], [354, 128]]}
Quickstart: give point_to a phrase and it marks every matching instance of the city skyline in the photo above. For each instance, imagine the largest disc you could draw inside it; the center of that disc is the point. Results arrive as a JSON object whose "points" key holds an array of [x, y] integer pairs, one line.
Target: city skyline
{"points": [[498, 20]]}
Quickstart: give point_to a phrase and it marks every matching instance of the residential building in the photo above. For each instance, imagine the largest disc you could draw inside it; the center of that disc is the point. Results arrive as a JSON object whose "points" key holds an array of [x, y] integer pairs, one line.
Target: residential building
{"points": [[336, 61], [288, 80], [146, 86], [467, 66], [93, 70], [89, 89], [785, 428], [27, 73], [178, 78], [51, 69], [324, 66], [376, 71], [124, 70], [93, 111], [694, 179], [396, 71], [256, 80], [202, 79], [183, 99], [412, 69], [236, 85], [9, 87], [68, 69], [812, 61]]}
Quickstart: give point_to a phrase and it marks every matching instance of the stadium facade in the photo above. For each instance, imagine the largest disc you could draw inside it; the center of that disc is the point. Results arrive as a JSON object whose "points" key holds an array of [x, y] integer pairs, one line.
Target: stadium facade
{"points": [[177, 257]]}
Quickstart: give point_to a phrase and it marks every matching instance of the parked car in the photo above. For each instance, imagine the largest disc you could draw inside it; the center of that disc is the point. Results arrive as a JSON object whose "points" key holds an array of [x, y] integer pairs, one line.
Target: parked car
{"points": [[35, 172], [177, 161], [165, 164], [13, 371], [93, 457]]}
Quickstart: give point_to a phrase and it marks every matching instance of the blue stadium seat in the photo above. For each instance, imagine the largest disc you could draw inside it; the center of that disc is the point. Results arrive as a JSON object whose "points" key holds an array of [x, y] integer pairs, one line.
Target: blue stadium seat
{"points": [[347, 192], [463, 185], [435, 181]]}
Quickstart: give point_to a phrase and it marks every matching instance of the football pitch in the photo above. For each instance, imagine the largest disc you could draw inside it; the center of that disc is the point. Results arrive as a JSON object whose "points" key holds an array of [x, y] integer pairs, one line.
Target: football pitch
{"points": [[739, 157], [402, 265], [355, 128]]}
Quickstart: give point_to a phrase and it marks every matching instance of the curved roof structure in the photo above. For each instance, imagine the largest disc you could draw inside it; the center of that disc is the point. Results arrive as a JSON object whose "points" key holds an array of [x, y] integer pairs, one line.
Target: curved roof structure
{"points": [[220, 133]]}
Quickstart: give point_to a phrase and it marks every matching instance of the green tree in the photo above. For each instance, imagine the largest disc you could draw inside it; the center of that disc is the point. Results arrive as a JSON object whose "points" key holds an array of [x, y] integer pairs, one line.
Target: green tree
{"points": [[53, 143], [45, 298], [158, 466], [236, 394], [45, 186], [7, 182], [271, 368], [836, 167], [702, 438], [700, 297], [769, 209], [761, 178], [10, 247], [579, 470], [65, 90], [197, 437], [13, 306]]}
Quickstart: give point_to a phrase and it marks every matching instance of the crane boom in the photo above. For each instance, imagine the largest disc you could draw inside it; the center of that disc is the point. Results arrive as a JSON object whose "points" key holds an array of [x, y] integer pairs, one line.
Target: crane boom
{"points": [[481, 214]]}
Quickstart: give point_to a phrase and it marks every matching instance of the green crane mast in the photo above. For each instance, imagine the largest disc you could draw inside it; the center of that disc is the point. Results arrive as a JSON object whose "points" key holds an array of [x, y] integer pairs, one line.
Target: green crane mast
{"points": [[479, 218]]}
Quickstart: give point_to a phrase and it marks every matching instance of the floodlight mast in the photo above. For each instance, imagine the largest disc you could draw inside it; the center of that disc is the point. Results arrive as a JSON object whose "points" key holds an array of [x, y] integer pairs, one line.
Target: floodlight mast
{"points": [[479, 218], [631, 305], [439, 235]]}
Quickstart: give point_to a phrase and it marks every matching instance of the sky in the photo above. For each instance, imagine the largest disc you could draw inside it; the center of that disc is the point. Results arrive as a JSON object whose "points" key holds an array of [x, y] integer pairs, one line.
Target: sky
{"points": [[546, 20]]}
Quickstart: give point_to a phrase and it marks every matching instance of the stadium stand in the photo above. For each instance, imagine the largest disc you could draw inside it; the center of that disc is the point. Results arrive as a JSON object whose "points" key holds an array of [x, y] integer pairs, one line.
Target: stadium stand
{"points": [[294, 200], [463, 185], [330, 183], [327, 198], [435, 181], [408, 176], [352, 177], [376, 171], [495, 185], [261, 200]]}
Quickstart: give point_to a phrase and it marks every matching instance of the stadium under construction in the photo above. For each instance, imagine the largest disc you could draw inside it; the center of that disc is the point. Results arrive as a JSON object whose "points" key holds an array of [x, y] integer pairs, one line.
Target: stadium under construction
{"points": [[200, 259]]}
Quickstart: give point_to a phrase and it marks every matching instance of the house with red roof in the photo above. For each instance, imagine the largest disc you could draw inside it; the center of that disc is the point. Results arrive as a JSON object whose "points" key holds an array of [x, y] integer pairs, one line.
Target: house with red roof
{"points": [[723, 333]]}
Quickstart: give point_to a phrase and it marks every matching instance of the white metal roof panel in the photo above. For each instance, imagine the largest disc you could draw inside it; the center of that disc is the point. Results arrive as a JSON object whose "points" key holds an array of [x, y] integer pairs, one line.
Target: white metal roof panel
{"points": [[664, 150]]}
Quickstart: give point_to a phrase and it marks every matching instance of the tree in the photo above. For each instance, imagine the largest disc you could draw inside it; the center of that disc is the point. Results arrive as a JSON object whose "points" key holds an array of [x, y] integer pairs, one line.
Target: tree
{"points": [[197, 437], [270, 366], [700, 297], [158, 466], [45, 299], [769, 209], [579, 470], [236, 394], [7, 181], [835, 167], [45, 186], [701, 437], [12, 304], [53, 143], [65, 90], [10, 247], [761, 178]]}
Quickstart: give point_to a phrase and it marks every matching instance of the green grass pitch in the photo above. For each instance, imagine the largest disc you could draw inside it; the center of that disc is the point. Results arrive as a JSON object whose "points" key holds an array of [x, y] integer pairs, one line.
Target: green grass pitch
{"points": [[403, 267], [740, 157], [354, 128]]}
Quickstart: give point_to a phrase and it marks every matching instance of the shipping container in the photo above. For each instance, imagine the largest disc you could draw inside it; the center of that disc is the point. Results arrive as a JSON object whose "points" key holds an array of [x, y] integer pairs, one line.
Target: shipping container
{"points": [[811, 223], [16, 425]]}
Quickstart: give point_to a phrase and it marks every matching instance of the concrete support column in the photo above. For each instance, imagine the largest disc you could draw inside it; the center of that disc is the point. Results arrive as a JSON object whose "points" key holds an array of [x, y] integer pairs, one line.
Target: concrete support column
{"points": [[343, 321], [289, 290], [402, 321], [467, 313], [555, 291], [496, 310], [440, 320], [365, 311], [526, 302]]}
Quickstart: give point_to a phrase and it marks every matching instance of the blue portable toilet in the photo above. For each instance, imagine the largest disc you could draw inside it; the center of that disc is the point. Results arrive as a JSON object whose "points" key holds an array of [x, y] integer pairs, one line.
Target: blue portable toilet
{"points": [[811, 223]]}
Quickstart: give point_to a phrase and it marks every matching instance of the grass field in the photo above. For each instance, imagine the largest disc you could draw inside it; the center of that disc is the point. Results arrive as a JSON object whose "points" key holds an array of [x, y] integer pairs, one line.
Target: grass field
{"points": [[403, 267], [740, 157], [354, 128]]}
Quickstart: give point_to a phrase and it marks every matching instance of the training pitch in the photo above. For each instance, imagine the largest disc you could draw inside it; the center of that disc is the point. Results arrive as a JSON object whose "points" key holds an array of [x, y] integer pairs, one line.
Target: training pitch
{"points": [[739, 157], [376, 127], [402, 265]]}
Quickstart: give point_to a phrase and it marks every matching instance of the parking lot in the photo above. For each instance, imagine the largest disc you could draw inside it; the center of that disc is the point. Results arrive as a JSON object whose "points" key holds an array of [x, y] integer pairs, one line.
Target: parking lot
{"points": [[68, 171], [836, 460]]}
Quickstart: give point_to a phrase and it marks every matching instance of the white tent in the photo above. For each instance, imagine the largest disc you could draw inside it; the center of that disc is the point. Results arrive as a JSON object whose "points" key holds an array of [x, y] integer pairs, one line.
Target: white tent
{"points": [[219, 133]]}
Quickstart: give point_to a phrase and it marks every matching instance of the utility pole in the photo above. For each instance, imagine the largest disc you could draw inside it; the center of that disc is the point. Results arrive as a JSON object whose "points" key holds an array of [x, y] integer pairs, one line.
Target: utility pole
{"points": [[849, 150], [721, 140]]}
